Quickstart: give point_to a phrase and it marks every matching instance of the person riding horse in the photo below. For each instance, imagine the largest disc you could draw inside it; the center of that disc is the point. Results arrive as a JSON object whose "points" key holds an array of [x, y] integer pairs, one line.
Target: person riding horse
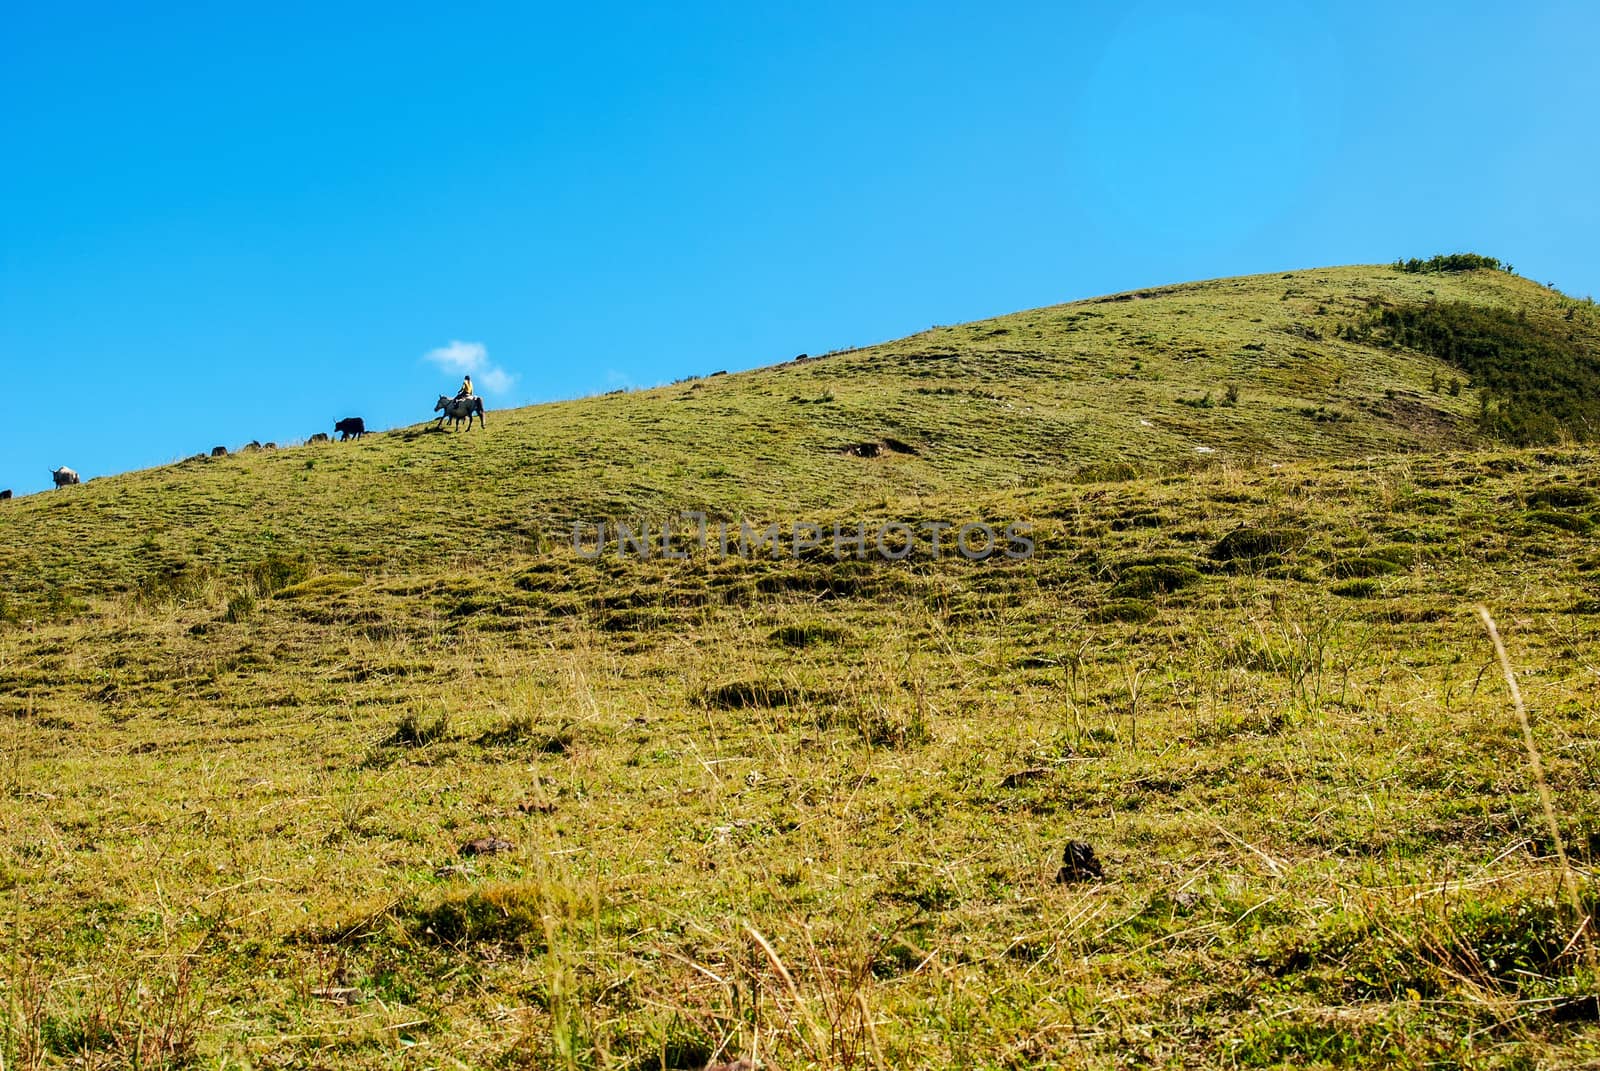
{"points": [[463, 407], [457, 410]]}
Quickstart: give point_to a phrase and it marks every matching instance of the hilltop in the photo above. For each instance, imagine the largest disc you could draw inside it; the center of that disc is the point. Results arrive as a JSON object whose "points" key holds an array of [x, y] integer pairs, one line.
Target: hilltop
{"points": [[340, 756]]}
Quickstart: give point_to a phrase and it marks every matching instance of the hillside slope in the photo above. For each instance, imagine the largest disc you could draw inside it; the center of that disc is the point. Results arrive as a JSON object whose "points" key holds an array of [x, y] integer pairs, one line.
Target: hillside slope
{"points": [[1139, 379], [232, 830], [340, 756]]}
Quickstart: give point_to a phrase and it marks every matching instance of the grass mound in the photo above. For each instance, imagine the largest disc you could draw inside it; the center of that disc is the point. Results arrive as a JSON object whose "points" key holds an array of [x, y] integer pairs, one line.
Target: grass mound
{"points": [[501, 913]]}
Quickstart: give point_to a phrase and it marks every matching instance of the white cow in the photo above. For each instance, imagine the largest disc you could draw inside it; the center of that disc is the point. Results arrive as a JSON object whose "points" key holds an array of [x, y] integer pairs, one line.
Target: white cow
{"points": [[64, 476]]}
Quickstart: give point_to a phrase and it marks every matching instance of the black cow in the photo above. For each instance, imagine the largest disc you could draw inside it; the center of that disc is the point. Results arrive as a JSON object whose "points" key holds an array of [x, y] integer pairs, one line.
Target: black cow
{"points": [[219, 451], [351, 427], [4, 495]]}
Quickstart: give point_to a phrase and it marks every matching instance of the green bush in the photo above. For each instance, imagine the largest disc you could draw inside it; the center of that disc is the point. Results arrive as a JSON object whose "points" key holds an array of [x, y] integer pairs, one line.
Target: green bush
{"points": [[1540, 381], [1447, 262]]}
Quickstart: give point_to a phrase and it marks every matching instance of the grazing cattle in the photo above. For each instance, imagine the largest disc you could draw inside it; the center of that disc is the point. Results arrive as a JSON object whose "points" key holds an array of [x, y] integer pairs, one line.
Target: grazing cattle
{"points": [[351, 427], [318, 438], [219, 451], [63, 476], [250, 447], [269, 446], [4, 495], [459, 409]]}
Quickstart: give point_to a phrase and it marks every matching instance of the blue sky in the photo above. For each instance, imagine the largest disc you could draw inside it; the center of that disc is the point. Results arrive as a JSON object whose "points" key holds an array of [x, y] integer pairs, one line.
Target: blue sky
{"points": [[220, 224]]}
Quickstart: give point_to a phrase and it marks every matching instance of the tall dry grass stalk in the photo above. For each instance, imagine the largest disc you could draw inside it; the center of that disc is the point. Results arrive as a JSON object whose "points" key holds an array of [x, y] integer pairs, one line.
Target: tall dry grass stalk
{"points": [[1569, 879]]}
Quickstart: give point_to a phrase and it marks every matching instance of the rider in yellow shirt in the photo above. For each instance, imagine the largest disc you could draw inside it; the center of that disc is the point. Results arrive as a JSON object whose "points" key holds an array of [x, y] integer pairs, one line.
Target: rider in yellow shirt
{"points": [[466, 387]]}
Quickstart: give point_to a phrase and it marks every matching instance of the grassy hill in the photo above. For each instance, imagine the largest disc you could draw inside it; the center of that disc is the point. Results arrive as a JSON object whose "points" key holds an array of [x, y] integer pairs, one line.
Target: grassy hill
{"points": [[252, 709], [1131, 382]]}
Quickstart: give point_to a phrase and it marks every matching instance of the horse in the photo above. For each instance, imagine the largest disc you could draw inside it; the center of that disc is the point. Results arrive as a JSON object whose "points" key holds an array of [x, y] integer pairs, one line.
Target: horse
{"points": [[459, 409]]}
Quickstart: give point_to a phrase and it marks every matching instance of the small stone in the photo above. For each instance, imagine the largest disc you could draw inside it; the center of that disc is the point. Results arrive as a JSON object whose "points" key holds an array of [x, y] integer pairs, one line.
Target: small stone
{"points": [[487, 846], [339, 994], [1022, 777], [1078, 863]]}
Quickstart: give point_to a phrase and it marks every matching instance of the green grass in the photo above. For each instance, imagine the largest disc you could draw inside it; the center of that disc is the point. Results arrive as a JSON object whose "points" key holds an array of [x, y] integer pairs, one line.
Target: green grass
{"points": [[250, 712]]}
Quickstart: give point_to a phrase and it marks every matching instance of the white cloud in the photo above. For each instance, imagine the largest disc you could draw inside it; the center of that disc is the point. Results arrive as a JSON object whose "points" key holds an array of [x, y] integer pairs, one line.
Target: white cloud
{"points": [[461, 356], [472, 358], [497, 380]]}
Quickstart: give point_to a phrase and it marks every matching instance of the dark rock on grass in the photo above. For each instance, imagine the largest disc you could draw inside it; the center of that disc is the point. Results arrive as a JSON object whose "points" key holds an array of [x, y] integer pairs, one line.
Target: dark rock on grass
{"points": [[1023, 777], [487, 846], [879, 448], [339, 994], [1579, 1009], [1078, 863]]}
